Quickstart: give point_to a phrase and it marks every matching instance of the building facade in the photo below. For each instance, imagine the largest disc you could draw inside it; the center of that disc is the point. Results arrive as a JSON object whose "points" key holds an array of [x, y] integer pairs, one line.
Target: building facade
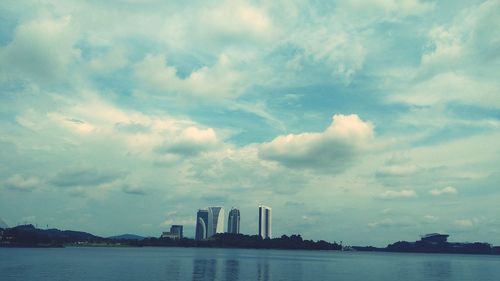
{"points": [[265, 226], [215, 221], [201, 224], [177, 230], [435, 238], [233, 222], [174, 233]]}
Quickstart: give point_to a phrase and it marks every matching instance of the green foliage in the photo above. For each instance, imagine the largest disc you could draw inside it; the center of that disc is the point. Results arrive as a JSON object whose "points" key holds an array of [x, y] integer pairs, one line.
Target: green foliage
{"points": [[228, 240]]}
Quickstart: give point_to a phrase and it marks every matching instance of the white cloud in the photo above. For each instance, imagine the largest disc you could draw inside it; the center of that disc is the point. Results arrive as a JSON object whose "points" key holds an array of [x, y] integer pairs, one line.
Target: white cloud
{"points": [[461, 62], [334, 149], [92, 120], [458, 66], [218, 81], [260, 110], [342, 52], [191, 141], [22, 183], [449, 190], [470, 42], [397, 170], [365, 12], [169, 222], [451, 86], [234, 20], [430, 218], [388, 223], [114, 59], [447, 48], [74, 125], [393, 194], [403, 170], [465, 223], [41, 50]]}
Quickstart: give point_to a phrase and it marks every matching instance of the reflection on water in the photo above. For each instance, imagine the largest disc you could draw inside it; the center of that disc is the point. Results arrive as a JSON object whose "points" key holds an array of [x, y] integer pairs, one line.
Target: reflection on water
{"points": [[173, 269], [232, 269], [437, 270], [263, 270], [228, 269], [151, 264], [213, 269], [204, 269]]}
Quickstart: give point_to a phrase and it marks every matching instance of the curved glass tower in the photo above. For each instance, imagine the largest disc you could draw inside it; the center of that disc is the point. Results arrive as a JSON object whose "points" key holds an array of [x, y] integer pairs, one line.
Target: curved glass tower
{"points": [[233, 222], [201, 224], [215, 221]]}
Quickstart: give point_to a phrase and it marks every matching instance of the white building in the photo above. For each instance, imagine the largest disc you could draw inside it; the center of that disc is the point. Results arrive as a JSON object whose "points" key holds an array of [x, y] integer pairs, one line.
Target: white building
{"points": [[265, 227], [215, 221]]}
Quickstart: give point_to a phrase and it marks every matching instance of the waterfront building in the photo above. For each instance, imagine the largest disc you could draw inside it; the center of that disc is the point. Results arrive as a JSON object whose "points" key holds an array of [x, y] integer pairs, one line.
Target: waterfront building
{"points": [[265, 226], [167, 234], [233, 222], [215, 221], [174, 233], [201, 224], [435, 238], [177, 230]]}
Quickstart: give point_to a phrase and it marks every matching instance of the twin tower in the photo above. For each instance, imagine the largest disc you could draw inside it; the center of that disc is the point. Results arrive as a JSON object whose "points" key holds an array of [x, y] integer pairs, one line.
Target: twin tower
{"points": [[211, 221]]}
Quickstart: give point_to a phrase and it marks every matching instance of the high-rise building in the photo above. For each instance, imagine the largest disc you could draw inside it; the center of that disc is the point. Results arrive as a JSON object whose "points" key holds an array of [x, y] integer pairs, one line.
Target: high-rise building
{"points": [[265, 222], [233, 222], [201, 224], [215, 221]]}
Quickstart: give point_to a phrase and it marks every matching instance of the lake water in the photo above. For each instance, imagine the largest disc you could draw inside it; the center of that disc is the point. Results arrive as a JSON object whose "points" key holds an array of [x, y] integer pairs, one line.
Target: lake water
{"points": [[144, 264]]}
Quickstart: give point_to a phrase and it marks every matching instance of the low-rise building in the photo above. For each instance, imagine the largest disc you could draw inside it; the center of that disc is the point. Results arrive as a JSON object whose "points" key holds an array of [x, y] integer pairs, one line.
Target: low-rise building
{"points": [[176, 232], [435, 238]]}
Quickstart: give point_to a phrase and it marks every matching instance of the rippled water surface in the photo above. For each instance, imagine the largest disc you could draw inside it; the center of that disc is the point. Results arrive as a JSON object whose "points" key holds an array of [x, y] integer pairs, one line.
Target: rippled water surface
{"points": [[146, 264]]}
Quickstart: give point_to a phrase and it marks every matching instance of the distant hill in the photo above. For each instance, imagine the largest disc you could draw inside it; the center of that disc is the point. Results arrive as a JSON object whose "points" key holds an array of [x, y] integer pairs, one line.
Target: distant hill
{"points": [[28, 235], [3, 224], [127, 237]]}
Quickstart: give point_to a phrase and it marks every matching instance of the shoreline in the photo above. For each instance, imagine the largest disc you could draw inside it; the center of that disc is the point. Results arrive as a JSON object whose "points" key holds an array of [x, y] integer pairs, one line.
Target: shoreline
{"points": [[238, 248]]}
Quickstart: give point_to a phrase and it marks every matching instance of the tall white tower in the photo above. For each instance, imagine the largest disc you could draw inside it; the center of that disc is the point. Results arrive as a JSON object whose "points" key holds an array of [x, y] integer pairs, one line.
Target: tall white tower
{"points": [[215, 221], [265, 222]]}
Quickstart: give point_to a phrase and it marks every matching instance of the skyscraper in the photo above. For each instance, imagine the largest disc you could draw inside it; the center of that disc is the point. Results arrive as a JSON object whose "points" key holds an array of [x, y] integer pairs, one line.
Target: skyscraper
{"points": [[233, 222], [265, 222], [201, 224], [215, 221]]}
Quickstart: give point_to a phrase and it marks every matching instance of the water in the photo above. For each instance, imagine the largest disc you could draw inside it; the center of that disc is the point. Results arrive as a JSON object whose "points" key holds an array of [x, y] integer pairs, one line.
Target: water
{"points": [[144, 264]]}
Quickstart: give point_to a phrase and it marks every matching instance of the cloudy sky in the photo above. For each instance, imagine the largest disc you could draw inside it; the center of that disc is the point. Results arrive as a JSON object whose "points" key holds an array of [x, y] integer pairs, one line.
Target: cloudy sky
{"points": [[362, 121]]}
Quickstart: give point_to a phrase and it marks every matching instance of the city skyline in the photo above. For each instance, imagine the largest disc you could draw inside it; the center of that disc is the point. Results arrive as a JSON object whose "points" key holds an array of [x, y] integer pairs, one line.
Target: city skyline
{"points": [[362, 121], [211, 217]]}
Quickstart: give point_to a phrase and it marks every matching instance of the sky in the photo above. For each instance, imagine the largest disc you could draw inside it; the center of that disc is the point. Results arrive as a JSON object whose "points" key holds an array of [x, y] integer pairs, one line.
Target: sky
{"points": [[366, 122]]}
